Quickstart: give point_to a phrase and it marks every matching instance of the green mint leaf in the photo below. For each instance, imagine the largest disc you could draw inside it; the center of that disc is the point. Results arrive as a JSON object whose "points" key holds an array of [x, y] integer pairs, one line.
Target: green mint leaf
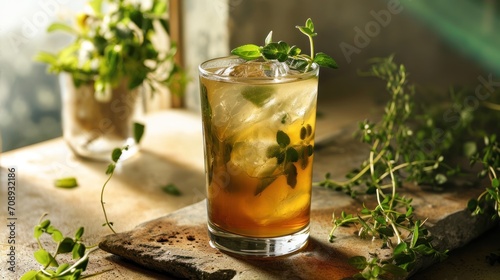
{"points": [[303, 133], [110, 169], [307, 31], [282, 51], [50, 229], [247, 52], [305, 153], [30, 275], [310, 24], [116, 154], [309, 130], [57, 236], [79, 233], [171, 189], [138, 132], [37, 232], [45, 258], [325, 60], [278, 51], [292, 155], [65, 246], [78, 251], [66, 183], [45, 224], [308, 28], [282, 139]]}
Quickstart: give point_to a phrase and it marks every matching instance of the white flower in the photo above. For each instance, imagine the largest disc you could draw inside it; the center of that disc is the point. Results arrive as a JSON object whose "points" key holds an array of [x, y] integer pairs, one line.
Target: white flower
{"points": [[85, 52]]}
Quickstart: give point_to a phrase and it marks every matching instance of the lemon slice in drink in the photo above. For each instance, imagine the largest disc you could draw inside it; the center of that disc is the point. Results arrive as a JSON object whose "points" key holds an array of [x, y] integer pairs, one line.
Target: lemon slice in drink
{"points": [[258, 95]]}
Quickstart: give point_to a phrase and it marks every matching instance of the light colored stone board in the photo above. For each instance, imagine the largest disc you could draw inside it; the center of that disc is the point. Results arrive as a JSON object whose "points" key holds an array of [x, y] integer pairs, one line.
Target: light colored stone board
{"points": [[177, 244]]}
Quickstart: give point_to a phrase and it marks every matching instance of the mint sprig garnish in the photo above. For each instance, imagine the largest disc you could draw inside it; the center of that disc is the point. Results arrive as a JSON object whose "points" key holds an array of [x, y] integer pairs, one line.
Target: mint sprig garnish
{"points": [[287, 156], [283, 52]]}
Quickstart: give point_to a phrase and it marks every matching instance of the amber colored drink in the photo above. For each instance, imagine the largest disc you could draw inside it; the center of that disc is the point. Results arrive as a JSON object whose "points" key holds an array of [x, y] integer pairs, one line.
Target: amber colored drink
{"points": [[259, 141]]}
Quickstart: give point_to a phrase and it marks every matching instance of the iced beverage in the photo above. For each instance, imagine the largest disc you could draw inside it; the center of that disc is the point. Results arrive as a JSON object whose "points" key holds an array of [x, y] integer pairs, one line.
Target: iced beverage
{"points": [[258, 124]]}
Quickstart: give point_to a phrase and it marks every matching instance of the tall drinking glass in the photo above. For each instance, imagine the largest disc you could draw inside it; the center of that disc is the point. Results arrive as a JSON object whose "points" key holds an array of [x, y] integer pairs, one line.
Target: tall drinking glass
{"points": [[258, 126]]}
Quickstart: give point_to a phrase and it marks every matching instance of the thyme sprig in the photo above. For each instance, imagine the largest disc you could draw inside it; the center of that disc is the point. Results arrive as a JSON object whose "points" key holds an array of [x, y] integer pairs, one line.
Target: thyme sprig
{"points": [[407, 146], [397, 139], [396, 156], [283, 52]]}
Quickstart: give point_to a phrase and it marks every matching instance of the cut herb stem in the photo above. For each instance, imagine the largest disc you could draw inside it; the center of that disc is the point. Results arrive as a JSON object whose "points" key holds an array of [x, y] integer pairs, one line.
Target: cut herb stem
{"points": [[108, 224]]}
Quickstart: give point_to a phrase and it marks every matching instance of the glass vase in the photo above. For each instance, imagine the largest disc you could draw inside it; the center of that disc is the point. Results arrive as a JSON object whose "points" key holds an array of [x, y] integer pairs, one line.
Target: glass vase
{"points": [[93, 127]]}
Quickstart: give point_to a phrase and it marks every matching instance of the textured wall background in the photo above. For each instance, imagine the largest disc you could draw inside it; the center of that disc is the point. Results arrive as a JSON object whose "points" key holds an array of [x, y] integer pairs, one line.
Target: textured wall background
{"points": [[355, 31]]}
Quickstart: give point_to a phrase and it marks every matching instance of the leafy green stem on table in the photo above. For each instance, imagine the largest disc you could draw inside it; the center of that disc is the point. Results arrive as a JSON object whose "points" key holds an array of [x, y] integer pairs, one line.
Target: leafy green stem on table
{"points": [[395, 156], [398, 154], [51, 268]]}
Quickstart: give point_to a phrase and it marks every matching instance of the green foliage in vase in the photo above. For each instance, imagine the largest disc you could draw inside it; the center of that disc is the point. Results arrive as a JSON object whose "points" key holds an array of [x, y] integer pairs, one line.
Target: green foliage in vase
{"points": [[115, 41]]}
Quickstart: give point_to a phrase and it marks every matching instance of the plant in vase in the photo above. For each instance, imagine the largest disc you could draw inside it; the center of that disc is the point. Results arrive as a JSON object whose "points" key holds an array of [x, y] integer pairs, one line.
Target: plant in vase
{"points": [[118, 48]]}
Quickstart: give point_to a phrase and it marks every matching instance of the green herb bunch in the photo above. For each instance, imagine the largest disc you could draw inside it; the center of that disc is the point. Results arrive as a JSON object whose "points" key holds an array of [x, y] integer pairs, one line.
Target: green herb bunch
{"points": [[397, 143], [283, 52], [409, 146], [115, 41], [51, 268], [396, 155]]}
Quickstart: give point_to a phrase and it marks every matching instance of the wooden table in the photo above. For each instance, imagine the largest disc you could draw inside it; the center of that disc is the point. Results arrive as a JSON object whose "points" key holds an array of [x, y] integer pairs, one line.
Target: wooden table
{"points": [[171, 152]]}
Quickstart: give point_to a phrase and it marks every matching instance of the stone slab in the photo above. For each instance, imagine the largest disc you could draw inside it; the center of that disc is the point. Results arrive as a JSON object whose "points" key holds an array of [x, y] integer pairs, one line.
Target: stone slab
{"points": [[177, 244]]}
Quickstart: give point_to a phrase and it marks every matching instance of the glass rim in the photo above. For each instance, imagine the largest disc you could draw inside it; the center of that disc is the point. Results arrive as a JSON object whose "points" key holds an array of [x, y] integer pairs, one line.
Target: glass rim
{"points": [[219, 62]]}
